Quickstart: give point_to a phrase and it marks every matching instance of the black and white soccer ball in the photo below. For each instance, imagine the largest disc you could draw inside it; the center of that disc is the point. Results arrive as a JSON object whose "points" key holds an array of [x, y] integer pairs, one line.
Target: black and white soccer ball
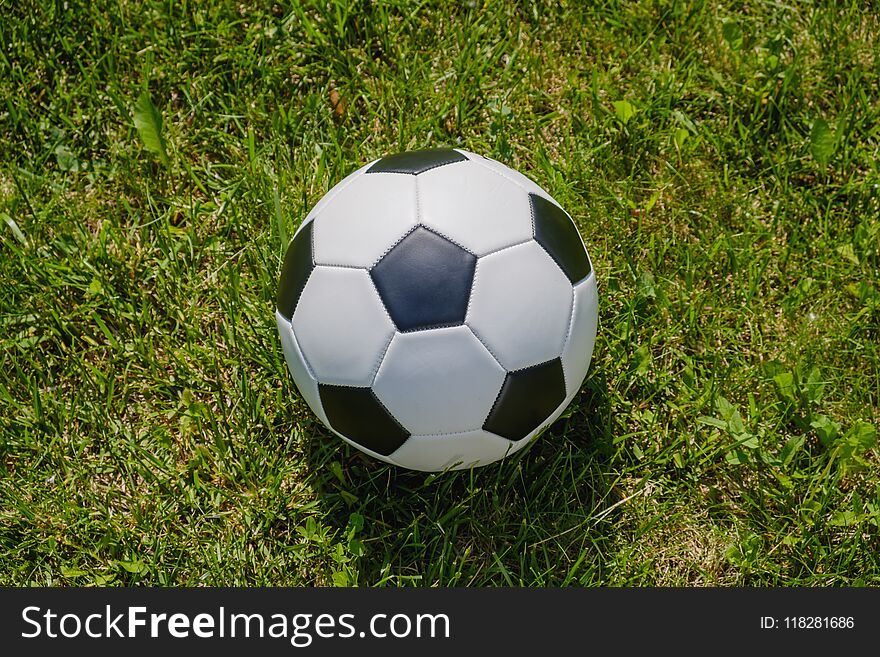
{"points": [[437, 309]]}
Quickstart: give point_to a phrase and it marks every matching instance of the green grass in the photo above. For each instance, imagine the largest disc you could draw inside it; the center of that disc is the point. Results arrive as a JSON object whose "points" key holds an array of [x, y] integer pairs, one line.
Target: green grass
{"points": [[721, 161]]}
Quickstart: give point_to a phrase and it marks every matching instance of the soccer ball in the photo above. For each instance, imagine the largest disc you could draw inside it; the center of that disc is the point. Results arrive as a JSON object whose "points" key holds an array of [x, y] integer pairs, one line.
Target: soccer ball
{"points": [[437, 309]]}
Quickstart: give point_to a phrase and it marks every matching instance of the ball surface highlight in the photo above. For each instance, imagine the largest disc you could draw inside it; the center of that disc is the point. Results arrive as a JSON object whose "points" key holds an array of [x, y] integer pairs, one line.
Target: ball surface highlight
{"points": [[437, 309]]}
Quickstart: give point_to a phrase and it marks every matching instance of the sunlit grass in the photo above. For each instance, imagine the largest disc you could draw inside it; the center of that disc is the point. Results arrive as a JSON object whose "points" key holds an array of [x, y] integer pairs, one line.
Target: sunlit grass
{"points": [[721, 162]]}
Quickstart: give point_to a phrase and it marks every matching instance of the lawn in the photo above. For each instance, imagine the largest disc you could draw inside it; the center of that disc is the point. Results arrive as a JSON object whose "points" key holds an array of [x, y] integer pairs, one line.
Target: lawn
{"points": [[720, 160]]}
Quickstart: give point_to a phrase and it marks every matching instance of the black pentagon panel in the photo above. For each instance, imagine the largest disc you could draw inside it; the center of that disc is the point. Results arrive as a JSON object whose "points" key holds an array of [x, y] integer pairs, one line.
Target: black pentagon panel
{"points": [[358, 415], [298, 265], [425, 281], [527, 398], [556, 232], [415, 162]]}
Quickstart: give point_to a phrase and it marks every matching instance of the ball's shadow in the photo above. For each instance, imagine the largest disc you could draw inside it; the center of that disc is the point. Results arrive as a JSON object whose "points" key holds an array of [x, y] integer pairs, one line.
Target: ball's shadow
{"points": [[525, 519]]}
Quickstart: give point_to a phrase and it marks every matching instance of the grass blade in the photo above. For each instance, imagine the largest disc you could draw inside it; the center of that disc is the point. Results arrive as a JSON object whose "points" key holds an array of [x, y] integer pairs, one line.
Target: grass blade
{"points": [[16, 231]]}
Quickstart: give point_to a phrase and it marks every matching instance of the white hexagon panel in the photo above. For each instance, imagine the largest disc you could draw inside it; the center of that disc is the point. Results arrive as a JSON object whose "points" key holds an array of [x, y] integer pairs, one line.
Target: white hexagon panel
{"points": [[341, 326], [527, 184], [520, 305], [441, 381], [302, 376], [484, 213], [452, 452], [365, 219], [582, 336], [325, 200]]}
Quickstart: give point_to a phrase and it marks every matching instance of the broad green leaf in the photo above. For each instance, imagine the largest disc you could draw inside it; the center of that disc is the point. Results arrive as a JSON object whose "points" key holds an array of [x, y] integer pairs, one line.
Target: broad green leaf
{"points": [[712, 422], [873, 513], [336, 469], [646, 285], [747, 440], [624, 111], [339, 555], [785, 385], [356, 548], [736, 426], [678, 137], [791, 448], [688, 377], [356, 522], [848, 253], [341, 579], [724, 407], [845, 518], [821, 142], [310, 531], [814, 385], [66, 159], [826, 430], [737, 457], [642, 360], [653, 200], [71, 573], [732, 33], [864, 292], [685, 121], [773, 367], [136, 566], [148, 121], [862, 436]]}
